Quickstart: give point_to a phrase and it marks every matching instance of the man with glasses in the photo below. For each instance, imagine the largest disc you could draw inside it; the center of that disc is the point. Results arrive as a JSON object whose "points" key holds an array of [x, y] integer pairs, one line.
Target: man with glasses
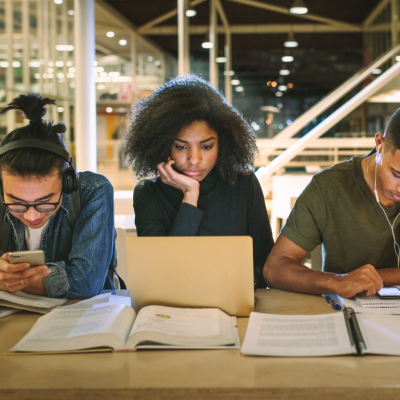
{"points": [[40, 192]]}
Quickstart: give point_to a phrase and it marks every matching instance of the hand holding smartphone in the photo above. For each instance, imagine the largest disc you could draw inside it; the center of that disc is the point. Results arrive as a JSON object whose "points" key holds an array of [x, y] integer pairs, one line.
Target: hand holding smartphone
{"points": [[32, 257]]}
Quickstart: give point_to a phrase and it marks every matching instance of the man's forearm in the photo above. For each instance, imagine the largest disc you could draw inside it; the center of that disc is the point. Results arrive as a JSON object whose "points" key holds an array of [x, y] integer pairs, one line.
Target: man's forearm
{"points": [[36, 287], [390, 276], [286, 274]]}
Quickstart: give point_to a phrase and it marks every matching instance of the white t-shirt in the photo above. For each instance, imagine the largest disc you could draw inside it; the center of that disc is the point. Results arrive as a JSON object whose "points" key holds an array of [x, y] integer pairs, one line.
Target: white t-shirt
{"points": [[33, 236]]}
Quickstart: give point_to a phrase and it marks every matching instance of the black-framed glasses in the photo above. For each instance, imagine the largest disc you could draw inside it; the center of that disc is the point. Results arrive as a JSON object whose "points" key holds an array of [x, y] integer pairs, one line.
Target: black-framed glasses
{"points": [[41, 207]]}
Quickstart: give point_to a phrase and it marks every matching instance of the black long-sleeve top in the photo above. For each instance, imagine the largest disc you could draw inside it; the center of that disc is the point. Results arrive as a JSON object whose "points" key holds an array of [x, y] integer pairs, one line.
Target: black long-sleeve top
{"points": [[223, 209]]}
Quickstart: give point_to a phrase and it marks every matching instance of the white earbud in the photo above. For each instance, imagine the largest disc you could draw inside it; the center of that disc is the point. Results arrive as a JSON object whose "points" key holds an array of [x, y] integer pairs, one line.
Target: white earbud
{"points": [[378, 158]]}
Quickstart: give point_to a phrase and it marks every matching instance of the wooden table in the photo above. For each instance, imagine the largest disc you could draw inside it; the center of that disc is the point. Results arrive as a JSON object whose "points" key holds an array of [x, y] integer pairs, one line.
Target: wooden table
{"points": [[196, 374]]}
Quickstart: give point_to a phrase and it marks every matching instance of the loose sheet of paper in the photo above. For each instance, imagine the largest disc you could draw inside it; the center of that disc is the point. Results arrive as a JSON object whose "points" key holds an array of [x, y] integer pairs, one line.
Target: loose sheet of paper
{"points": [[178, 321], [297, 335], [359, 309], [101, 300], [32, 300]]}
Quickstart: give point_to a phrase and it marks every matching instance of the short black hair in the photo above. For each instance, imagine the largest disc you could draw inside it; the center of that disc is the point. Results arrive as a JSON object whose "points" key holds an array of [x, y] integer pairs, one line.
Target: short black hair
{"points": [[157, 120], [38, 163], [392, 132]]}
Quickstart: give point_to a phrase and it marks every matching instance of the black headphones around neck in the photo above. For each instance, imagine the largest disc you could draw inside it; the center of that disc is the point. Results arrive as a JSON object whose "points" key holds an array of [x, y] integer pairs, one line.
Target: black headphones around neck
{"points": [[70, 178]]}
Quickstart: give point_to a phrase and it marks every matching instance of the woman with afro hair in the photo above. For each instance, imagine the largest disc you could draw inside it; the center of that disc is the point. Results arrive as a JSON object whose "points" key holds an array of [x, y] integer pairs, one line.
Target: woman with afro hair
{"points": [[198, 152]]}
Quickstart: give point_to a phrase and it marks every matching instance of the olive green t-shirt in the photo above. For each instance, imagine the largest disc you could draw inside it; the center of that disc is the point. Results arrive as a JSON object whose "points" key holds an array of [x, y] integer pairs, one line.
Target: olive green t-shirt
{"points": [[338, 211]]}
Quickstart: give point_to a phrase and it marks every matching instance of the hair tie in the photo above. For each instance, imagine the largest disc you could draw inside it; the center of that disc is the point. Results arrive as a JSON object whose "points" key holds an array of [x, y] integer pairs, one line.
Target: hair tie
{"points": [[33, 121]]}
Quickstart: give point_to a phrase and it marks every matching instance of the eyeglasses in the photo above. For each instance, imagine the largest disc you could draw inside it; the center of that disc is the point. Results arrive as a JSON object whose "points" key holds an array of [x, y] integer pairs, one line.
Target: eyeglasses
{"points": [[41, 207]]}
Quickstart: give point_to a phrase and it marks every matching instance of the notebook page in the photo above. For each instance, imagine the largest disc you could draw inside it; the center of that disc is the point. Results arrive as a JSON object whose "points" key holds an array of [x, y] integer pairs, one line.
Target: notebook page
{"points": [[32, 300], [352, 303], [297, 335], [381, 333], [375, 302]]}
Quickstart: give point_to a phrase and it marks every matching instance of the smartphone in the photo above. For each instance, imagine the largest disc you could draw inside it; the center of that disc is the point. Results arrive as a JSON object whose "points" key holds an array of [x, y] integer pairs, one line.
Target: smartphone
{"points": [[32, 257], [389, 293]]}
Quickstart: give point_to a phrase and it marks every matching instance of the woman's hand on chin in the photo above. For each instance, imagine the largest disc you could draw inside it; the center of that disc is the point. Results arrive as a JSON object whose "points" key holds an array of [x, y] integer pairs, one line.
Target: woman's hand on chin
{"points": [[189, 186]]}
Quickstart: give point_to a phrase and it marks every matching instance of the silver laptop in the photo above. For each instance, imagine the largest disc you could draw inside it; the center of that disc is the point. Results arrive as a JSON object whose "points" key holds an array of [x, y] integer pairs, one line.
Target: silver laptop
{"points": [[195, 271]]}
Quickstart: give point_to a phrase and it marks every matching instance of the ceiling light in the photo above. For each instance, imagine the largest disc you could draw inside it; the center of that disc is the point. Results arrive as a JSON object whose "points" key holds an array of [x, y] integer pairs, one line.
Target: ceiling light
{"points": [[191, 13], [287, 59], [34, 63], [98, 69], [16, 64], [3, 64], [229, 73], [50, 76], [50, 70], [71, 69], [109, 110], [60, 109], [282, 88], [221, 60], [376, 71], [207, 45], [95, 63], [298, 7], [290, 85], [274, 84], [239, 89], [64, 47], [50, 64], [59, 64], [290, 42], [69, 63], [37, 76], [60, 75], [71, 12], [114, 74], [110, 34], [58, 1], [284, 72], [397, 58], [123, 42], [268, 121], [157, 63], [278, 94], [101, 86], [235, 82], [150, 58]]}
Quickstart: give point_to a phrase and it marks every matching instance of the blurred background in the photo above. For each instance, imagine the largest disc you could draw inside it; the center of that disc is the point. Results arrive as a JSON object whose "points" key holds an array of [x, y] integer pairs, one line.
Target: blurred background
{"points": [[316, 79]]}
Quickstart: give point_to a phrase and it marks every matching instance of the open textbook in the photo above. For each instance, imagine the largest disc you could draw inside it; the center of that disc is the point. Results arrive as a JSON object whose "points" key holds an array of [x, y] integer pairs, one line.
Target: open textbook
{"points": [[116, 327], [322, 335], [29, 302]]}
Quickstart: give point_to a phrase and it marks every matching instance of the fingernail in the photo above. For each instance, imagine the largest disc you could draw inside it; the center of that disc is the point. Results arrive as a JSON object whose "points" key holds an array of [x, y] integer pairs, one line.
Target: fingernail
{"points": [[26, 265], [49, 272], [44, 268]]}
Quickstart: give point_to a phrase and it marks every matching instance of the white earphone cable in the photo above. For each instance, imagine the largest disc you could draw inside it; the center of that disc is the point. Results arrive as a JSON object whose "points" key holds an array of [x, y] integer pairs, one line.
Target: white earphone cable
{"points": [[396, 245]]}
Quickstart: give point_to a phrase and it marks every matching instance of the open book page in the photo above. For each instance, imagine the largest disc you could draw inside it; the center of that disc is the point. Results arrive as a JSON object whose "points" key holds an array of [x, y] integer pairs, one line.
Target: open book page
{"points": [[5, 311], [297, 335], [381, 333], [32, 300], [181, 327], [101, 300], [236, 345], [67, 329]]}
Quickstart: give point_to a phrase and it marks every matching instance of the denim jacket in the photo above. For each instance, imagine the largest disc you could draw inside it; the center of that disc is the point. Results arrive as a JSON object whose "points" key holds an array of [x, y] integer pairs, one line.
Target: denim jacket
{"points": [[79, 258]]}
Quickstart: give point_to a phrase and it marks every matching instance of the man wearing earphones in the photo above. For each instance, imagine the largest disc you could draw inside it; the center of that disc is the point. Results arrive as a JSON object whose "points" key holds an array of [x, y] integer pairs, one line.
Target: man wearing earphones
{"points": [[47, 206], [352, 209]]}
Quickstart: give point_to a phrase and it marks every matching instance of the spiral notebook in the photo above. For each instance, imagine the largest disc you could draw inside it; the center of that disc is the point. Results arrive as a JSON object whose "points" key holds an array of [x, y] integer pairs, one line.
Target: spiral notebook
{"points": [[375, 302]]}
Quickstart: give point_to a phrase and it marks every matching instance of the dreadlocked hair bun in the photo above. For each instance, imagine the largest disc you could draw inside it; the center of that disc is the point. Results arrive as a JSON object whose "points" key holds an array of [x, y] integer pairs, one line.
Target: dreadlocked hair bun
{"points": [[33, 162]]}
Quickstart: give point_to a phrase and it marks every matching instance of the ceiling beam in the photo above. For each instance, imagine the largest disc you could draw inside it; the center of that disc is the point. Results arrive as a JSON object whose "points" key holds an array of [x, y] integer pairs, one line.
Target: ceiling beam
{"points": [[165, 17], [375, 12], [257, 29], [283, 10], [222, 15]]}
